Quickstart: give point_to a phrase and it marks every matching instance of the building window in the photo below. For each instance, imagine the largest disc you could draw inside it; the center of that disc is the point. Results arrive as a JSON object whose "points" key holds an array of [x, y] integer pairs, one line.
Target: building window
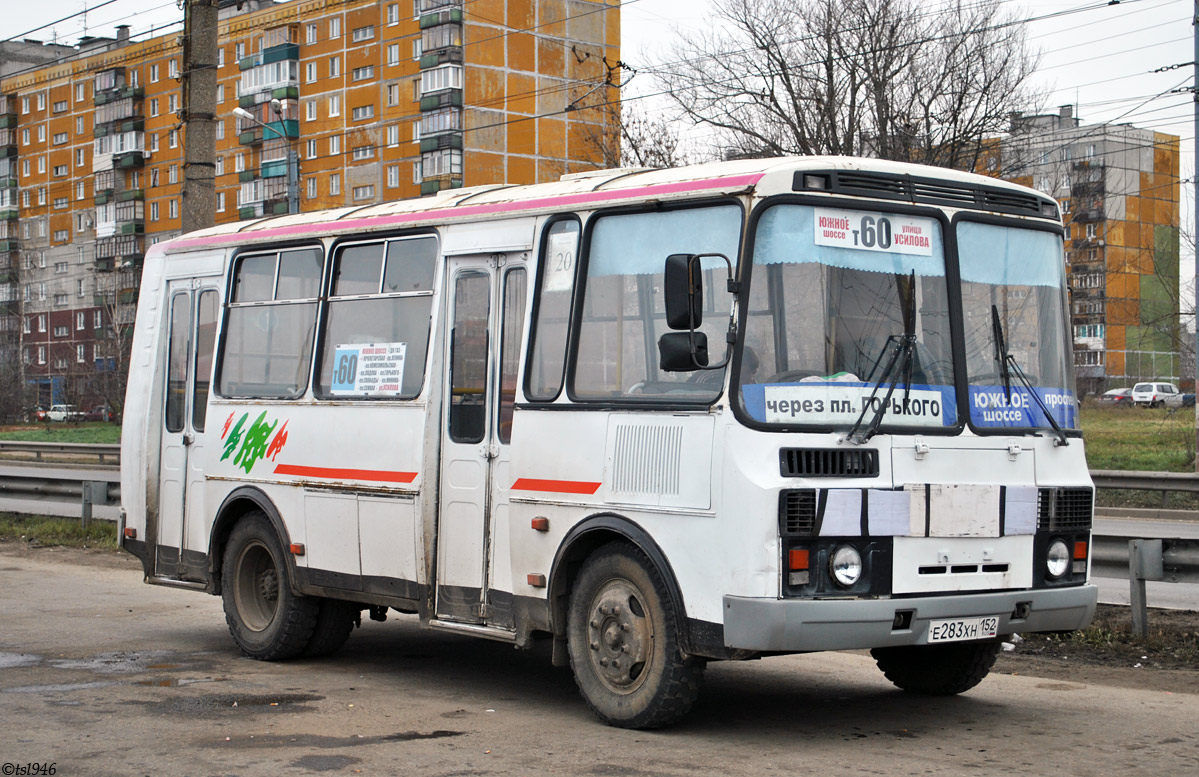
{"points": [[61, 203], [41, 322], [311, 188], [25, 137], [364, 112], [41, 354], [80, 190], [80, 92], [153, 74], [393, 94], [362, 73], [154, 107], [154, 142], [393, 14], [311, 148], [310, 33], [310, 72], [335, 183], [173, 139], [364, 192], [363, 152], [362, 33], [335, 27], [97, 319], [220, 93], [41, 101], [62, 331], [220, 202], [80, 353], [154, 211], [173, 174], [310, 110], [444, 77], [220, 130], [61, 137], [79, 292], [1090, 231], [78, 125], [334, 67], [61, 170], [173, 104], [173, 68], [393, 176], [334, 145], [334, 106], [393, 54], [61, 106], [173, 207]]}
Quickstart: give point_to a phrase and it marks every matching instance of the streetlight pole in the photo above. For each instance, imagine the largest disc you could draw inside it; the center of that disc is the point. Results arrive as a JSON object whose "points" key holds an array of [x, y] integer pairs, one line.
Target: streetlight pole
{"points": [[293, 162]]}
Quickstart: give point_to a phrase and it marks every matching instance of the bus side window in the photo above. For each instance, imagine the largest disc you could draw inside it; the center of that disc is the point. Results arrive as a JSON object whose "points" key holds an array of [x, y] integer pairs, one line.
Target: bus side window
{"points": [[515, 297], [206, 312], [378, 316], [177, 362], [547, 353], [266, 349]]}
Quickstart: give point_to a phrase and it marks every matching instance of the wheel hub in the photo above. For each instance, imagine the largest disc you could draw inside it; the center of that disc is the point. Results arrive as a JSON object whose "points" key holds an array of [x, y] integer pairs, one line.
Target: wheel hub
{"points": [[268, 585], [620, 637]]}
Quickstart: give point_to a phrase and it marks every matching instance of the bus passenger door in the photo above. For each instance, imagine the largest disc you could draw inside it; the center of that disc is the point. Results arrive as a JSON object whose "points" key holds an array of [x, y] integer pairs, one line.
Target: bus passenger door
{"points": [[191, 334], [467, 453]]}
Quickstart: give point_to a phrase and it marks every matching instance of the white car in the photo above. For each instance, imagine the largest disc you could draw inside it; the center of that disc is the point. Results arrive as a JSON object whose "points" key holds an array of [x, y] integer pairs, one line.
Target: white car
{"points": [[1153, 394], [64, 413]]}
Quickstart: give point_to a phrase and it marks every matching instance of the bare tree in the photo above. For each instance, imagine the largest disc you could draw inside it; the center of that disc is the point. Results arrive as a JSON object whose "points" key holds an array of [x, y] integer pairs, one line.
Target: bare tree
{"points": [[114, 337], [640, 140], [889, 78]]}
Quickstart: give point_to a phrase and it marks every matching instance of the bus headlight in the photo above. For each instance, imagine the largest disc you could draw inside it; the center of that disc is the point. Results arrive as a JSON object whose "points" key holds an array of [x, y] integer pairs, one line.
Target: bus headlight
{"points": [[845, 565], [1057, 559]]}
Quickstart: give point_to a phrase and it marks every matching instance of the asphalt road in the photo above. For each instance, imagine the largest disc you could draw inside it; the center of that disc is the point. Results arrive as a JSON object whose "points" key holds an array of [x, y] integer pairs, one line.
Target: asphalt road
{"points": [[102, 674]]}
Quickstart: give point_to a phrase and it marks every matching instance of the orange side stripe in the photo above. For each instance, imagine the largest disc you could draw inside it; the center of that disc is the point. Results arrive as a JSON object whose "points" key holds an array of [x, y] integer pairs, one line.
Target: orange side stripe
{"points": [[555, 486], [373, 475]]}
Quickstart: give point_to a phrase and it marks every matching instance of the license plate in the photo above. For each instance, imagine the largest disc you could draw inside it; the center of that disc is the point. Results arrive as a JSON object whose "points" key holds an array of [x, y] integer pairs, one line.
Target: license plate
{"points": [[960, 629]]}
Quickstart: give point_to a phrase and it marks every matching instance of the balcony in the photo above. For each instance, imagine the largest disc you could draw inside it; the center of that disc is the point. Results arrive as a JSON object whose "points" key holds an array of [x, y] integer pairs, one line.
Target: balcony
{"points": [[119, 250], [119, 93], [129, 159], [441, 57], [266, 95], [135, 124], [1083, 215], [8, 142], [439, 142], [434, 185], [283, 128], [8, 244], [251, 211], [449, 98], [9, 213], [8, 120], [443, 16]]}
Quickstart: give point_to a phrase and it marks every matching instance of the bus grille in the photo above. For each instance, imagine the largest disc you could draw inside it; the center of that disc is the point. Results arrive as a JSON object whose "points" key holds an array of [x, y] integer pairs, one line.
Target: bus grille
{"points": [[797, 512], [1064, 509], [828, 463], [916, 189]]}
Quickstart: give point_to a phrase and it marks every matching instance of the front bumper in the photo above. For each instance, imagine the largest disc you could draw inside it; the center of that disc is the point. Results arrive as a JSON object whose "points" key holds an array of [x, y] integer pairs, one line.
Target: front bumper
{"points": [[847, 624]]}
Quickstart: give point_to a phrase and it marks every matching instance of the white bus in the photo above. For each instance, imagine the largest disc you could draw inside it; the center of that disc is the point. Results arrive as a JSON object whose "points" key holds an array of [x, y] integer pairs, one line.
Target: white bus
{"points": [[660, 417]]}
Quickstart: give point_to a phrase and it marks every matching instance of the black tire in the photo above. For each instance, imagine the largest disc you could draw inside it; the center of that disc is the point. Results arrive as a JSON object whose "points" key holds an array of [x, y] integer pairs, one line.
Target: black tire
{"points": [[335, 619], [622, 635], [267, 619], [937, 670]]}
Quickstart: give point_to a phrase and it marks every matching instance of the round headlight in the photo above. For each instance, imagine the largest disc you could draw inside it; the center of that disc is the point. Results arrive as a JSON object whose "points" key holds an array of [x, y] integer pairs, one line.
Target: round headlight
{"points": [[1057, 560], [845, 565]]}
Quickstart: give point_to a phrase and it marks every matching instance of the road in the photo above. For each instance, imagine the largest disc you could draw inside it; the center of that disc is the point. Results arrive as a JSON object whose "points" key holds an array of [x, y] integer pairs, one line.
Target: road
{"points": [[102, 674]]}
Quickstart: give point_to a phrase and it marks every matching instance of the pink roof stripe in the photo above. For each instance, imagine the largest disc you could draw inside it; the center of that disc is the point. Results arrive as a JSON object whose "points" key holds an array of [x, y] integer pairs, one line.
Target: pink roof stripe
{"points": [[583, 198]]}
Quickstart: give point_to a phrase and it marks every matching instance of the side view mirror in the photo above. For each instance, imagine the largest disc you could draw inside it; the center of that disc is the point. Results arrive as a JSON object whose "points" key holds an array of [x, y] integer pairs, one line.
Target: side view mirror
{"points": [[686, 350], [683, 287]]}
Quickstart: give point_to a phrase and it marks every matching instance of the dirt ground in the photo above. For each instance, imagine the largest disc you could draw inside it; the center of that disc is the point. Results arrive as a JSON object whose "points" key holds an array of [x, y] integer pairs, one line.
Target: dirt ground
{"points": [[1106, 653]]}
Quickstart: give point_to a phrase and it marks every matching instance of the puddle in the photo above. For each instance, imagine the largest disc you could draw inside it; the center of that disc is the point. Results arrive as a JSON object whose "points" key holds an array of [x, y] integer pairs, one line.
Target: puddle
{"points": [[211, 705], [13, 660], [61, 688], [329, 743], [324, 763], [173, 682], [122, 662]]}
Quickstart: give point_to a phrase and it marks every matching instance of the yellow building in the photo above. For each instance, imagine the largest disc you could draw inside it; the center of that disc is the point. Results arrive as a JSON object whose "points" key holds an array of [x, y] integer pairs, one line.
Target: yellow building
{"points": [[1118, 190], [349, 102]]}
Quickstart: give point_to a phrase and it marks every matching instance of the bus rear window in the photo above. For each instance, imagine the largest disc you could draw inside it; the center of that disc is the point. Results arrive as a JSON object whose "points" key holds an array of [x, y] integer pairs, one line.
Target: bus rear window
{"points": [[266, 350]]}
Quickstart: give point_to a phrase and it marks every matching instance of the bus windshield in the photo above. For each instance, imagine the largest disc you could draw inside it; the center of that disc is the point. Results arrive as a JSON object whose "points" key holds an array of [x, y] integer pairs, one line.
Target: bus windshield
{"points": [[1013, 304], [835, 293]]}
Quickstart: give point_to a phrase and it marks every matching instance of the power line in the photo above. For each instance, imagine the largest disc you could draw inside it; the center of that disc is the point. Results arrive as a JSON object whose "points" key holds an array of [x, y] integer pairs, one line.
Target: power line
{"points": [[59, 21]]}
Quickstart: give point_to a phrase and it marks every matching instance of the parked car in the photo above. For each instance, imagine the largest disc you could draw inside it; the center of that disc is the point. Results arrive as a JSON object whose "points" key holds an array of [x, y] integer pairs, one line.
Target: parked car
{"points": [[1118, 397], [64, 413], [1180, 400], [1153, 394], [39, 414], [98, 413]]}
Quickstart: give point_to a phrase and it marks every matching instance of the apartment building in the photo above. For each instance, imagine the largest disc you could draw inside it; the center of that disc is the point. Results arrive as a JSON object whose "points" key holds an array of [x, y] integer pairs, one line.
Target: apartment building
{"points": [[1118, 189], [320, 104]]}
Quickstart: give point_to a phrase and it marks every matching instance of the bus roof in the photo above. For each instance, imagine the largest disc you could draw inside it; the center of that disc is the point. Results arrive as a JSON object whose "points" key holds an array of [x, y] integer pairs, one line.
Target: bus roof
{"points": [[599, 188]]}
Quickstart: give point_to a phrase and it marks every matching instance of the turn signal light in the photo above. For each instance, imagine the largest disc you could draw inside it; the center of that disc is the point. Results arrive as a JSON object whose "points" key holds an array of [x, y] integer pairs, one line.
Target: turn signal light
{"points": [[540, 523], [297, 549], [1080, 550], [797, 558], [536, 581], [131, 532]]}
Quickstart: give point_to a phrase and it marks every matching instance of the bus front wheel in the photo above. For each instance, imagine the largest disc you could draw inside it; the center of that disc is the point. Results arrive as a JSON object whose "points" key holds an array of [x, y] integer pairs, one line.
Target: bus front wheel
{"points": [[937, 670], [624, 645], [267, 619]]}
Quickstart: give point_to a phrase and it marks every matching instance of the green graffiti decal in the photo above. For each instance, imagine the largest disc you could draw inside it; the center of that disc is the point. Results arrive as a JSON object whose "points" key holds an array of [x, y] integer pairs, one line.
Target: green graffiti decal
{"points": [[250, 444]]}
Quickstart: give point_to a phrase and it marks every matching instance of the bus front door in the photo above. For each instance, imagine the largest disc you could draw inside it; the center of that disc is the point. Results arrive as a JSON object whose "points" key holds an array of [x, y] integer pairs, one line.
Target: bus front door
{"points": [[475, 431], [191, 334]]}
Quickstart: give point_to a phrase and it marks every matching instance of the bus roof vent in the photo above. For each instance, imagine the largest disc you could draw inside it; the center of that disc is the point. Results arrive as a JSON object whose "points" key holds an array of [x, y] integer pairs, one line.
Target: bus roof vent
{"points": [[797, 512], [1063, 509], [930, 191], [828, 463]]}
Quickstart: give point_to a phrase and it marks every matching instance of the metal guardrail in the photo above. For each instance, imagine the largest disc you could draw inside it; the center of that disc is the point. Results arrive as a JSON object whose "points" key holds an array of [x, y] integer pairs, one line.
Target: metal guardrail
{"points": [[89, 492], [1168, 560], [1146, 481], [43, 451]]}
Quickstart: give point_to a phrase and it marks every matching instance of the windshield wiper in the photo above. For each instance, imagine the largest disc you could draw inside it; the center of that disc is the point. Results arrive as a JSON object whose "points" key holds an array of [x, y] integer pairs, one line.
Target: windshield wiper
{"points": [[903, 349], [1008, 366]]}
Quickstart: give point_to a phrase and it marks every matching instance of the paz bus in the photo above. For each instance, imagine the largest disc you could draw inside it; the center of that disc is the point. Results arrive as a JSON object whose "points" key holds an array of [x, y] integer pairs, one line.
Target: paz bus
{"points": [[658, 417]]}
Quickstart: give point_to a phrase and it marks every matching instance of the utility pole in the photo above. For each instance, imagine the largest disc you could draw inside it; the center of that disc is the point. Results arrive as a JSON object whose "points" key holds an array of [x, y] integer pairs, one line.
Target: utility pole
{"points": [[1195, 224], [198, 114]]}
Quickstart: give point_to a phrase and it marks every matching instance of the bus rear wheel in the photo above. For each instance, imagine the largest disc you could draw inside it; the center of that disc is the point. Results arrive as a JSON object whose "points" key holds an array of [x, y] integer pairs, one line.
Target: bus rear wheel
{"points": [[334, 621], [267, 619], [937, 670], [624, 644]]}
